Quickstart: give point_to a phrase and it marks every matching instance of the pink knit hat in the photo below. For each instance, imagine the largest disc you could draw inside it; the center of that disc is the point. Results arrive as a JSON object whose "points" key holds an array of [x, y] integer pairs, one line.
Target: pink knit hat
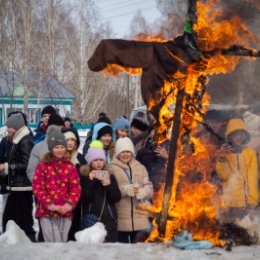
{"points": [[95, 153]]}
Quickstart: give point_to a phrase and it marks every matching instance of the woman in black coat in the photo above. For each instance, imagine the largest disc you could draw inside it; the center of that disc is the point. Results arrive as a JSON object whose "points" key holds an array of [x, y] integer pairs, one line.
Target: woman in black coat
{"points": [[100, 200], [19, 204]]}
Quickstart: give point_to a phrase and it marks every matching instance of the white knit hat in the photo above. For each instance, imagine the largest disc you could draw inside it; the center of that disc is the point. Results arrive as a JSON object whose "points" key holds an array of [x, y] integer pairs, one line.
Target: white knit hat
{"points": [[70, 135], [124, 144]]}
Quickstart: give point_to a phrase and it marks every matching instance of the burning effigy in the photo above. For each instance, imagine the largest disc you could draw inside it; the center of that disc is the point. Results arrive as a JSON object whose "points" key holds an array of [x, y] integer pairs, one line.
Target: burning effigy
{"points": [[176, 72]]}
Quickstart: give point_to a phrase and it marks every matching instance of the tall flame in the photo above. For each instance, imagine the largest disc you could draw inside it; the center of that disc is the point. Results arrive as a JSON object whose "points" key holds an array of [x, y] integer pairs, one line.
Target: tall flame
{"points": [[195, 201]]}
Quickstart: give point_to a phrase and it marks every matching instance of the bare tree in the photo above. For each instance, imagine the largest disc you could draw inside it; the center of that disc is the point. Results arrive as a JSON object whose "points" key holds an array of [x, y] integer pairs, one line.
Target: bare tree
{"points": [[57, 37], [16, 46], [91, 89], [138, 25], [173, 16]]}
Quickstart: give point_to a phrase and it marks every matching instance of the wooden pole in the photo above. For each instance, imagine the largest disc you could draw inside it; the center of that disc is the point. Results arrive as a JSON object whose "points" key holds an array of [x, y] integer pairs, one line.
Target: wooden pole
{"points": [[171, 164], [127, 95]]}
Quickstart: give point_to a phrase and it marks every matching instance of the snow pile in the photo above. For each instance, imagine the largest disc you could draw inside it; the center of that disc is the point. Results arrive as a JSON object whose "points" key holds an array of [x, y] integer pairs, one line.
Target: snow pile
{"points": [[92, 235], [13, 235]]}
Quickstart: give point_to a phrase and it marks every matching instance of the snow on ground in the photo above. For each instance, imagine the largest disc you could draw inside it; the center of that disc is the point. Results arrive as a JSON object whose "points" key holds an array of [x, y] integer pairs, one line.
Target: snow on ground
{"points": [[14, 249], [116, 251], [14, 235], [15, 245], [35, 226]]}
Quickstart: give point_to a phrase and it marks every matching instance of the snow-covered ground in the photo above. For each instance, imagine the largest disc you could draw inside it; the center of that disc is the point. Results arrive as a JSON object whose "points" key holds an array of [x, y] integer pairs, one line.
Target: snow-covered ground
{"points": [[15, 247], [109, 251], [14, 244]]}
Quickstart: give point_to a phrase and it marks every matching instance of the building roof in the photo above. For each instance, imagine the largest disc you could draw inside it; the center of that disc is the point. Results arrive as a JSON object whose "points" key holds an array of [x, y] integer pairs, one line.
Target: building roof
{"points": [[40, 85]]}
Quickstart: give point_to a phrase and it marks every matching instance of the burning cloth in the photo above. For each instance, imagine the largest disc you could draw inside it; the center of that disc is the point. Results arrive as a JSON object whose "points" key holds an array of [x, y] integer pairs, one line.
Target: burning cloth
{"points": [[158, 60]]}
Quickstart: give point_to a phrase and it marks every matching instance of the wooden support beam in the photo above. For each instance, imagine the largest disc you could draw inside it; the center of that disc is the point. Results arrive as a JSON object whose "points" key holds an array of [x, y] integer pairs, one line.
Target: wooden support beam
{"points": [[171, 164]]}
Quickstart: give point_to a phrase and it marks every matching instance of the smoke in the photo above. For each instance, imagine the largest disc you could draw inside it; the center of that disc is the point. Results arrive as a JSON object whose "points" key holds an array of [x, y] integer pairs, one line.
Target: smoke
{"points": [[174, 14], [241, 86], [247, 10]]}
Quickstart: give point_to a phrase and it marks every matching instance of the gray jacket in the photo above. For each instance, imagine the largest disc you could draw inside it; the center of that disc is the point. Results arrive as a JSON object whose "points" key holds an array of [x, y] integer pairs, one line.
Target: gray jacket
{"points": [[37, 153]]}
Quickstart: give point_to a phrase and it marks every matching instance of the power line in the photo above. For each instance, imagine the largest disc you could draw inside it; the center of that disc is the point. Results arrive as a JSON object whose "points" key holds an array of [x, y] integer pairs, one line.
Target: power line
{"points": [[118, 3], [119, 6], [112, 17], [103, 1], [125, 7]]}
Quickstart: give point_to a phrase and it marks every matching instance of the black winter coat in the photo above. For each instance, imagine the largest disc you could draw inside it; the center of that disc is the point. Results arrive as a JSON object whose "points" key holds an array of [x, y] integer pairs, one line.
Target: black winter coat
{"points": [[77, 212], [17, 160], [5, 146], [154, 164], [92, 201], [94, 194]]}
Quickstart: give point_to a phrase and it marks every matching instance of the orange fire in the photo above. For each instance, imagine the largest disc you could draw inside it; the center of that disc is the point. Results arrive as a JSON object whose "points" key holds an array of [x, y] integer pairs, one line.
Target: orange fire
{"points": [[115, 70], [195, 201]]}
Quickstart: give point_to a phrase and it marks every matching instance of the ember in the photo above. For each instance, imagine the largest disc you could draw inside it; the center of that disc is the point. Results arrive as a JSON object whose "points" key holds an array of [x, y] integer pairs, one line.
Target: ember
{"points": [[174, 72]]}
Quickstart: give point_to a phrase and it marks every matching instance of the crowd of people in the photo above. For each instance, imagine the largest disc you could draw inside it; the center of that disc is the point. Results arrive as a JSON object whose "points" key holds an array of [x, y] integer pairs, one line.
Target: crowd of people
{"points": [[121, 167]]}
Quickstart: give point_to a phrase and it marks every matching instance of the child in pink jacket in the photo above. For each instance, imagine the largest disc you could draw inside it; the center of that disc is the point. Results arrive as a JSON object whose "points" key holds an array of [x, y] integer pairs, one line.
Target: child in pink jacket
{"points": [[57, 189]]}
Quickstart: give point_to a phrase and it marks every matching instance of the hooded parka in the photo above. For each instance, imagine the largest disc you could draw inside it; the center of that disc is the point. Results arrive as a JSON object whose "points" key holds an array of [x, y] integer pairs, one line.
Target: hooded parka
{"points": [[239, 172]]}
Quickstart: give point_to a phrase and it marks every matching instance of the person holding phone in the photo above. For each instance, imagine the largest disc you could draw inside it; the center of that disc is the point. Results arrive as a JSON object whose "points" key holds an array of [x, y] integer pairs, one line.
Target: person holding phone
{"points": [[100, 191], [135, 187], [237, 167]]}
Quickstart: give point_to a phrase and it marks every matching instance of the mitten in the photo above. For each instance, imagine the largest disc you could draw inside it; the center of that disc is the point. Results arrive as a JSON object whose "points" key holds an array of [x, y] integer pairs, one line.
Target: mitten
{"points": [[127, 190], [141, 194]]}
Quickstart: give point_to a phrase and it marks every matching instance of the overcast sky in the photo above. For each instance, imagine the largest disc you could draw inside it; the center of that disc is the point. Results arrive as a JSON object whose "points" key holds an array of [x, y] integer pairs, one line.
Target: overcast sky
{"points": [[120, 13]]}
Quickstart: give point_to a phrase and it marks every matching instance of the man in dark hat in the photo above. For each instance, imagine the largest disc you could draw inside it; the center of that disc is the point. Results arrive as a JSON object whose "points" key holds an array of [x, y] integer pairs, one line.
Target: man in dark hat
{"points": [[42, 126]]}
